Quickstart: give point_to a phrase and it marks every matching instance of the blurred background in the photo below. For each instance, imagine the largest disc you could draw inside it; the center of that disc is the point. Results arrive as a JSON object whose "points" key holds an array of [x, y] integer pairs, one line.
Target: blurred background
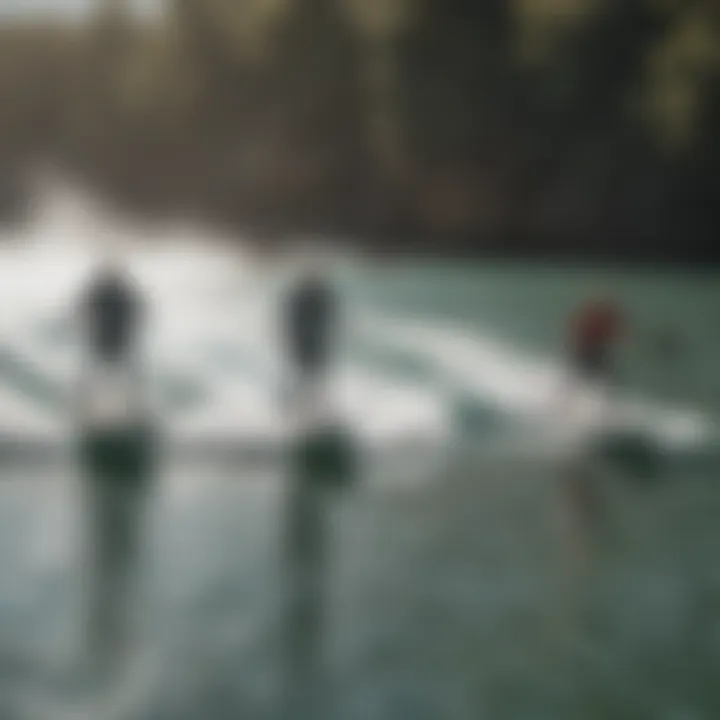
{"points": [[469, 173], [513, 128]]}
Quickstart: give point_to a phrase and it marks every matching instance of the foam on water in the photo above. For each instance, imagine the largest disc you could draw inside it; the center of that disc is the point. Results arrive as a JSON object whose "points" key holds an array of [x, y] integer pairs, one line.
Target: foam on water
{"points": [[521, 386]]}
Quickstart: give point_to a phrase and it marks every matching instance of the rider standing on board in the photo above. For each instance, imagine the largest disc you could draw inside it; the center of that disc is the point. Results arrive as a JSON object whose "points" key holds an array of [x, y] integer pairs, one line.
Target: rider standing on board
{"points": [[112, 322], [594, 332], [311, 323], [115, 460]]}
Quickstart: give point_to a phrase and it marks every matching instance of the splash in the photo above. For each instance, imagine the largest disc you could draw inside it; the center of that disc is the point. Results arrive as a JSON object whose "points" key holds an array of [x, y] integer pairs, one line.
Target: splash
{"points": [[213, 346]]}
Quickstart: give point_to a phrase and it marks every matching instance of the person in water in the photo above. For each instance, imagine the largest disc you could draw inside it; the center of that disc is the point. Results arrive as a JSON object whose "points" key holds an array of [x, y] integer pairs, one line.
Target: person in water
{"points": [[594, 334], [311, 319], [116, 458], [319, 462]]}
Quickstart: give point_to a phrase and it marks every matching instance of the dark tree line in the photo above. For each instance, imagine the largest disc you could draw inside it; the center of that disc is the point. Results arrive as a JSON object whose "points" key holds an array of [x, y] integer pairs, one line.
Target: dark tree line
{"points": [[491, 127]]}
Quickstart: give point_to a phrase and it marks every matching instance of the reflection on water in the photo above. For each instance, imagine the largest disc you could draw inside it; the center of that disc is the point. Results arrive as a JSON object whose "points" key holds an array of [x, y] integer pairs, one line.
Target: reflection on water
{"points": [[445, 600]]}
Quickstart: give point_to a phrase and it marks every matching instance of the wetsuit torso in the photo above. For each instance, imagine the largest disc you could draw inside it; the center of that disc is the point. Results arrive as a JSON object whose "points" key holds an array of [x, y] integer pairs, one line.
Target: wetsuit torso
{"points": [[310, 324], [113, 315]]}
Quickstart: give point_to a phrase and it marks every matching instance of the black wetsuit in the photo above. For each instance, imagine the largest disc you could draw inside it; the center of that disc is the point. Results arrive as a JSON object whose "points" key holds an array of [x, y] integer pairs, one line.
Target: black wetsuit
{"points": [[113, 315], [310, 323]]}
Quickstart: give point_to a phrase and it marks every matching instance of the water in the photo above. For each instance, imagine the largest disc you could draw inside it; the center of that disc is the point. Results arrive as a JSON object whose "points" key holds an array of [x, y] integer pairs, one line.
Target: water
{"points": [[452, 588]]}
